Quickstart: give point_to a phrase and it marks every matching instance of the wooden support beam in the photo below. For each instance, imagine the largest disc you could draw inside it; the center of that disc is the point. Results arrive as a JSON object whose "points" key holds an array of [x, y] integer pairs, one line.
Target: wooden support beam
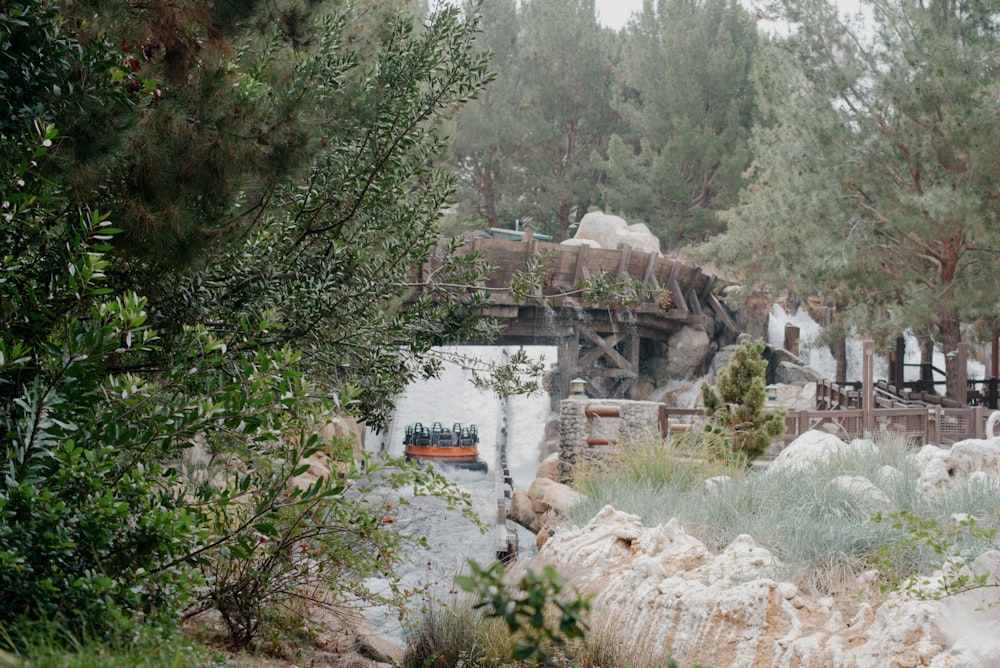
{"points": [[720, 310], [649, 278], [680, 303], [623, 262], [693, 302], [608, 372], [590, 358], [632, 346], [607, 347], [707, 290], [675, 269], [580, 273], [568, 362]]}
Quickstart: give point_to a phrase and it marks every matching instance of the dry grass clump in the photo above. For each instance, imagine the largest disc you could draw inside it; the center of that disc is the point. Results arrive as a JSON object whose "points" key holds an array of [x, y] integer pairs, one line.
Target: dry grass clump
{"points": [[823, 534], [455, 634]]}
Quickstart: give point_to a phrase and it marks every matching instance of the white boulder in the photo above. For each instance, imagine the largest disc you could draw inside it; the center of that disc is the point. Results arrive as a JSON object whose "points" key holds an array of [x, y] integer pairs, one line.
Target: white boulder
{"points": [[814, 447], [601, 228]]}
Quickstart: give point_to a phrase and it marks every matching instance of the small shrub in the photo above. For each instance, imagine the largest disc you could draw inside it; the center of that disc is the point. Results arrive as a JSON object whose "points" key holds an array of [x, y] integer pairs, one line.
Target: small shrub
{"points": [[736, 405], [526, 606], [458, 634]]}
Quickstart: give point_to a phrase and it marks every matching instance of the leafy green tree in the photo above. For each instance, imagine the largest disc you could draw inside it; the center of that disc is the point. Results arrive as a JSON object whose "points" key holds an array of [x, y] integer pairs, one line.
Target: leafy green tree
{"points": [[736, 404], [686, 96], [875, 185], [264, 192]]}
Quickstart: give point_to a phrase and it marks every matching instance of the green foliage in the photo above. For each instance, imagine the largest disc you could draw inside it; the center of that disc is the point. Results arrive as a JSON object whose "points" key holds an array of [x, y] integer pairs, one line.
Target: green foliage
{"points": [[736, 404], [127, 348], [525, 607], [523, 150], [867, 188], [680, 158], [89, 519], [46, 69], [946, 543], [46, 652]]}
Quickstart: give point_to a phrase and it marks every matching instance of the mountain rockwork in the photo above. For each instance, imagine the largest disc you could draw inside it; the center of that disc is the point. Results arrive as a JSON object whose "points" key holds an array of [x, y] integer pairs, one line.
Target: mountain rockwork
{"points": [[662, 591]]}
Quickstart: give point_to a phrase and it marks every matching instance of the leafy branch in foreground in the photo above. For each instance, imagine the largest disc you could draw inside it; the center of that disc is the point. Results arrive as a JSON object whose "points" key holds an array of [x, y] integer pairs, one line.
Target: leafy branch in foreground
{"points": [[523, 607], [945, 542]]}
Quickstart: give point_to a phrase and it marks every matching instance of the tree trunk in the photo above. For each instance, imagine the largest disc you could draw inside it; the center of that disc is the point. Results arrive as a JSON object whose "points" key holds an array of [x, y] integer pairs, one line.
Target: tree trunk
{"points": [[951, 336], [839, 350], [926, 364], [564, 211], [487, 192]]}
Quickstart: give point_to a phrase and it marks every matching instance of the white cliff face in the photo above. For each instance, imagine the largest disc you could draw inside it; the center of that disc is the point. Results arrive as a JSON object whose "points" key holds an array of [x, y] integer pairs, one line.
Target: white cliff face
{"points": [[662, 591]]}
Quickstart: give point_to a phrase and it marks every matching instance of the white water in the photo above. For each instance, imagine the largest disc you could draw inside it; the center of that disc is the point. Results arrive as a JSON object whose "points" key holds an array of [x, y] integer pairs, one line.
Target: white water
{"points": [[452, 539]]}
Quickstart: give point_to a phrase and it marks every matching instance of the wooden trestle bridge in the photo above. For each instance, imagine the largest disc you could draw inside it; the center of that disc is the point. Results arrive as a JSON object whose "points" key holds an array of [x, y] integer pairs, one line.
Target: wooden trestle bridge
{"points": [[604, 344]]}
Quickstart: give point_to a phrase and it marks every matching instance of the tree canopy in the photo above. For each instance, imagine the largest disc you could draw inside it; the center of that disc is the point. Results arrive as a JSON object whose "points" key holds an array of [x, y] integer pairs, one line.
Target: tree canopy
{"points": [[686, 98], [212, 214], [875, 185]]}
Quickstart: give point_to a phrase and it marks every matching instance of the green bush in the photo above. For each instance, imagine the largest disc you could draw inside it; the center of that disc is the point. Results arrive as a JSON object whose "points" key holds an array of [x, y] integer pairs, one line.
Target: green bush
{"points": [[736, 405], [526, 606]]}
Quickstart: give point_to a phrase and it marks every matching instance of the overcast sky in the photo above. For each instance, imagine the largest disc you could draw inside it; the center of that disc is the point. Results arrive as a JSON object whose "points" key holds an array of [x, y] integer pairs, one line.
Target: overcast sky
{"points": [[614, 13]]}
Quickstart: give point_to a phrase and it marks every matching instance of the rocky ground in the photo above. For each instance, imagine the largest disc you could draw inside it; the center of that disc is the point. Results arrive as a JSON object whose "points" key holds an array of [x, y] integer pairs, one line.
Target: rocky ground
{"points": [[662, 589]]}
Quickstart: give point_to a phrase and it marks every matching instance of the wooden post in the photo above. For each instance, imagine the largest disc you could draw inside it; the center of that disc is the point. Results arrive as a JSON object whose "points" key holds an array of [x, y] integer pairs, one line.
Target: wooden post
{"points": [[899, 364], [995, 358], [868, 387], [963, 373], [792, 339], [569, 355]]}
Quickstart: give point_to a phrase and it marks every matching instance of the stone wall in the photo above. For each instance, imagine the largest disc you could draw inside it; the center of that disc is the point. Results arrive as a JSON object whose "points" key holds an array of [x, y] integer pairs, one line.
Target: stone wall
{"points": [[590, 429]]}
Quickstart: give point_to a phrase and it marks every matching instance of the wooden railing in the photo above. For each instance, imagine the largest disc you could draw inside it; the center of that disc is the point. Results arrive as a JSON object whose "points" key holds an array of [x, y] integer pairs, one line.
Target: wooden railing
{"points": [[920, 425]]}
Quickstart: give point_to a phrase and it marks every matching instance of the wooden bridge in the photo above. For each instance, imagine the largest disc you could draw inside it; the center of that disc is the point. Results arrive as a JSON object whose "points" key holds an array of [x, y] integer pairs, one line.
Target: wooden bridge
{"points": [[604, 344]]}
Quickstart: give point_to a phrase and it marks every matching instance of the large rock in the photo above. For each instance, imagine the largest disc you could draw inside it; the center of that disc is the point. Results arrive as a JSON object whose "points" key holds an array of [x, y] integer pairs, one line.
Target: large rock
{"points": [[600, 228], [580, 242], [812, 448], [546, 494], [687, 353], [639, 238], [662, 592], [939, 468], [613, 232], [543, 506]]}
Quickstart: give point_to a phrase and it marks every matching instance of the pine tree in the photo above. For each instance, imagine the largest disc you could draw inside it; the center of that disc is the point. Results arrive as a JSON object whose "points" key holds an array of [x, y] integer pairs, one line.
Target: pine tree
{"points": [[686, 95], [875, 185], [737, 403]]}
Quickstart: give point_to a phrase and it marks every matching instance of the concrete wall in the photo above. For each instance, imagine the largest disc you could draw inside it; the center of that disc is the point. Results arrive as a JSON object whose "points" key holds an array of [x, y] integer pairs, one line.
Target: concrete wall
{"points": [[589, 432]]}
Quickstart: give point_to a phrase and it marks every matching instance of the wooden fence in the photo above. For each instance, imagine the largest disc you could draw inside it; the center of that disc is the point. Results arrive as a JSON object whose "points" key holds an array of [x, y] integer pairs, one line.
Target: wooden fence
{"points": [[919, 424]]}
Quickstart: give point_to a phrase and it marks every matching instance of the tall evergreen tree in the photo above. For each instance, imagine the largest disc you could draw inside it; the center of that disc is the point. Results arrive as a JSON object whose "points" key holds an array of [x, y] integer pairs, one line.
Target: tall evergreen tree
{"points": [[876, 185], [687, 99], [566, 75], [525, 148], [486, 129]]}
